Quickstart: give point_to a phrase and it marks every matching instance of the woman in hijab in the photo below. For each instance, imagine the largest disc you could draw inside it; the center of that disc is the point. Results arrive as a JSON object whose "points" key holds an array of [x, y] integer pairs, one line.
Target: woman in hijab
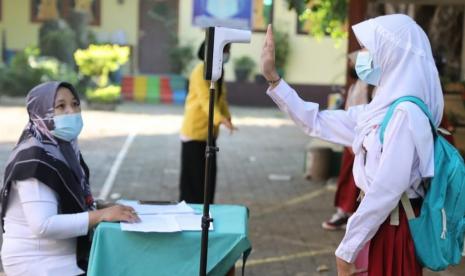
{"points": [[396, 57], [47, 205]]}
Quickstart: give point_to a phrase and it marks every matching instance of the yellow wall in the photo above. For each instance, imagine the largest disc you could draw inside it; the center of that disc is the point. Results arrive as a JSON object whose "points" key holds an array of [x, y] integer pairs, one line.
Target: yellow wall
{"points": [[21, 32], [310, 61]]}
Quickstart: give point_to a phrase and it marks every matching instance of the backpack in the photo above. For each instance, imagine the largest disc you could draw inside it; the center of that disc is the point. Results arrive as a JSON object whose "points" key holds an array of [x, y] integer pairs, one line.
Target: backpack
{"points": [[438, 232]]}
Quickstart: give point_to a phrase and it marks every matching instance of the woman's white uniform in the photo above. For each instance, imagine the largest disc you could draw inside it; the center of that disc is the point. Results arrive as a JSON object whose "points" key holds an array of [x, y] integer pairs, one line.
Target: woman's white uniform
{"points": [[38, 240]]}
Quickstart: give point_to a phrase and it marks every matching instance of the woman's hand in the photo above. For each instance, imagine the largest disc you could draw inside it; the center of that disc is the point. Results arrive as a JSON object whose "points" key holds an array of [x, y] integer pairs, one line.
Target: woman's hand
{"points": [[102, 204], [228, 124], [344, 268], [113, 213], [267, 62]]}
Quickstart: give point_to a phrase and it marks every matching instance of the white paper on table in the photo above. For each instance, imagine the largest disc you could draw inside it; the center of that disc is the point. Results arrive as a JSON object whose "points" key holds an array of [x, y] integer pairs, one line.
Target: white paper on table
{"points": [[191, 222], [153, 223], [149, 209]]}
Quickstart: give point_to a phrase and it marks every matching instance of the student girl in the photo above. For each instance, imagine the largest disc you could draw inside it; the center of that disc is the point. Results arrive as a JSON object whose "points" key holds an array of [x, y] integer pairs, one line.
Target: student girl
{"points": [[396, 57]]}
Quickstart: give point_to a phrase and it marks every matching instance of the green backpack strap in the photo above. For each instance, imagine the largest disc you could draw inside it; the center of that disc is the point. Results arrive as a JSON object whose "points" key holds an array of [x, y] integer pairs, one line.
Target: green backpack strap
{"points": [[393, 106]]}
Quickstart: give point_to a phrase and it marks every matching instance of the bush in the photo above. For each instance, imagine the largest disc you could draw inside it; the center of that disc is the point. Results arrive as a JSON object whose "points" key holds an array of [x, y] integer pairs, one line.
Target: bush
{"points": [[244, 63], [79, 22], [180, 57], [98, 61], [57, 39], [109, 94], [243, 66], [282, 49], [27, 70]]}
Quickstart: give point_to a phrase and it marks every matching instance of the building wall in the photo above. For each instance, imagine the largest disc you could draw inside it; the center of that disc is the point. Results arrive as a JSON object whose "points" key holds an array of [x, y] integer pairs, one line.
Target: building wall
{"points": [[310, 62], [21, 32], [120, 17]]}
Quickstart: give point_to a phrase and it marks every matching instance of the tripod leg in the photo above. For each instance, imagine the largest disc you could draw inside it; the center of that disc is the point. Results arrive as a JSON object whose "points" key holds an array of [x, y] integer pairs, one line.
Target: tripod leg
{"points": [[210, 152]]}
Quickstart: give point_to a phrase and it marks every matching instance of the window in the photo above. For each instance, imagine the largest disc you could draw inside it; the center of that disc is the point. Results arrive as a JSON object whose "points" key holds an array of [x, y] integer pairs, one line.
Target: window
{"points": [[42, 10], [262, 14]]}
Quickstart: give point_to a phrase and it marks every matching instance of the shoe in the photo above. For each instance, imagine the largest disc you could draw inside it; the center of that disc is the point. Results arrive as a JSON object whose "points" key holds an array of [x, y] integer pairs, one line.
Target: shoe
{"points": [[337, 222]]}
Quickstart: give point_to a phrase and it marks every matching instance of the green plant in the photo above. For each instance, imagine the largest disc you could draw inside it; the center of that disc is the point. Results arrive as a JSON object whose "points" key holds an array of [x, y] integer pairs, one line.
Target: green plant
{"points": [[244, 63], [97, 61], [57, 39], [55, 69], [324, 16], [109, 94], [243, 66], [79, 22], [28, 69], [282, 48], [181, 56]]}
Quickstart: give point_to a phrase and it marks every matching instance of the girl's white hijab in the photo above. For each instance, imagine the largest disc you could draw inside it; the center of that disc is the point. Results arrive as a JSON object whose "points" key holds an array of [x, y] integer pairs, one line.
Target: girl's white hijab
{"points": [[402, 51]]}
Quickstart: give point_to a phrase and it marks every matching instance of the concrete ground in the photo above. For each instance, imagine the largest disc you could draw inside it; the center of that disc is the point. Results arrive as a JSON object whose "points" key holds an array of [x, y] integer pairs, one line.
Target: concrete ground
{"points": [[285, 215]]}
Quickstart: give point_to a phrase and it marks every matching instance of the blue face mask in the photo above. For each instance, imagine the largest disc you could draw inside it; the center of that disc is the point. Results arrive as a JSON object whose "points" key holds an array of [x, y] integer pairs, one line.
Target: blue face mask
{"points": [[68, 126], [365, 70]]}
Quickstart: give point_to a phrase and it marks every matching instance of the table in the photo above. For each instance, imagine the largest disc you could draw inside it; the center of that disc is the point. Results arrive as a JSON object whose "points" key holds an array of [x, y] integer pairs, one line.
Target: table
{"points": [[115, 252]]}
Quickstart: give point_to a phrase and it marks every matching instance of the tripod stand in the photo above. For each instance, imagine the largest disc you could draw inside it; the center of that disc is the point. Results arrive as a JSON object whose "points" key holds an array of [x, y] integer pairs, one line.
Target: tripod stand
{"points": [[210, 152]]}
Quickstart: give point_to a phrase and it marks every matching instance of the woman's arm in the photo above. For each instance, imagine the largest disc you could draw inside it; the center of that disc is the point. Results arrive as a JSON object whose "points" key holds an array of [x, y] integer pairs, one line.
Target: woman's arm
{"points": [[40, 206]]}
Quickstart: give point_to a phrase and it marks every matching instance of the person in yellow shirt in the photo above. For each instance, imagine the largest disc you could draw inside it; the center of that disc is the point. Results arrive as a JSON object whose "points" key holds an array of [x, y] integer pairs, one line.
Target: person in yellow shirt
{"points": [[194, 130]]}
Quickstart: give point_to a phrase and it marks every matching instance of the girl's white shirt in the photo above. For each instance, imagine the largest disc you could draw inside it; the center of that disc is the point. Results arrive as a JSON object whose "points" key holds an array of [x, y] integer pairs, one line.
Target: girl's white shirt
{"points": [[383, 172]]}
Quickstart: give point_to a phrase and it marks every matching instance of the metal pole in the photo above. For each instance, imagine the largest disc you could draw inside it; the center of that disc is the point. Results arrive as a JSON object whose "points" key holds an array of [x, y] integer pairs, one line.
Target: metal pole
{"points": [[210, 152]]}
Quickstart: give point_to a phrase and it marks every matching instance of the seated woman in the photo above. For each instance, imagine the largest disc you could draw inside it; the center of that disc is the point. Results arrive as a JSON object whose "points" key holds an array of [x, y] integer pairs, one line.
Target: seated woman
{"points": [[47, 206]]}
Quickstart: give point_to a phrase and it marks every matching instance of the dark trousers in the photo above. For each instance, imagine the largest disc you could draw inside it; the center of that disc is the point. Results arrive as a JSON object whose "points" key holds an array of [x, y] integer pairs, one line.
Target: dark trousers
{"points": [[193, 172]]}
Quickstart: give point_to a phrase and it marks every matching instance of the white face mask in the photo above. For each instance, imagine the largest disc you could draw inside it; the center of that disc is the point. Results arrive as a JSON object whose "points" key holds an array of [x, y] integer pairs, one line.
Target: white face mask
{"points": [[365, 69]]}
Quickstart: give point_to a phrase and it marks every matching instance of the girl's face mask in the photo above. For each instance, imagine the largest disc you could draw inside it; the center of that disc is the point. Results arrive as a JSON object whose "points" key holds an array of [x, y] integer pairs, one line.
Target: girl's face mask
{"points": [[365, 70]]}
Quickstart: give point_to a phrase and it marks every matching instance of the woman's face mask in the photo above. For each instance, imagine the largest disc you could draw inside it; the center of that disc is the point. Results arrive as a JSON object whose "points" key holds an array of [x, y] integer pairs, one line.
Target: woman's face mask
{"points": [[67, 126], [365, 70], [67, 115]]}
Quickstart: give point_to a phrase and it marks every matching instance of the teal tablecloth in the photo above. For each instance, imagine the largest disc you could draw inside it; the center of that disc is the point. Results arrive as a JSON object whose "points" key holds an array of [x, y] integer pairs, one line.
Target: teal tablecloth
{"points": [[115, 252]]}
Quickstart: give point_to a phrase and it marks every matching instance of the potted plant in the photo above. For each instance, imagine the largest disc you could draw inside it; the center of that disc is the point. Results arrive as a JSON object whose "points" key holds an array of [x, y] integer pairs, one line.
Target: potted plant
{"points": [[282, 50], [104, 98], [96, 62], [243, 67], [181, 56]]}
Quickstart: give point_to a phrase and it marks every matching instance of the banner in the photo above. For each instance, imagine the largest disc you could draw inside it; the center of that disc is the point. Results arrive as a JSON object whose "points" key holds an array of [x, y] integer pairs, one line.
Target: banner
{"points": [[224, 13]]}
